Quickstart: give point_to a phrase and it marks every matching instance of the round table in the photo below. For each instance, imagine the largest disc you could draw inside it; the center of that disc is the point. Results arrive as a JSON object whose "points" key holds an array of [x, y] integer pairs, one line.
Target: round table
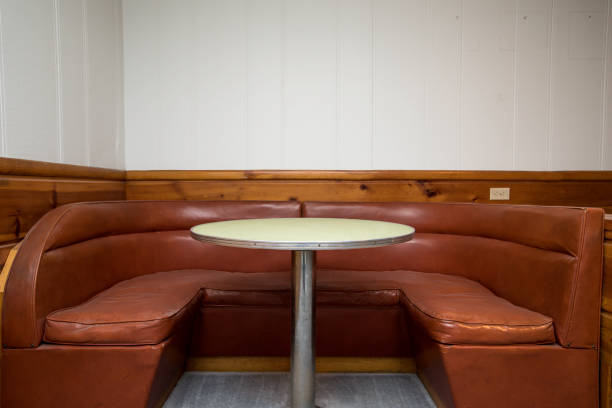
{"points": [[303, 236]]}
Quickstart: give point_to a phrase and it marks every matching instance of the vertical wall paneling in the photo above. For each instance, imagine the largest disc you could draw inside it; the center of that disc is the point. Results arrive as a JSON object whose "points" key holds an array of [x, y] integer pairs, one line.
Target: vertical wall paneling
{"points": [[532, 71], [264, 122], [221, 84], [578, 41], [354, 84], [119, 106], [442, 78], [400, 85], [30, 79], [388, 84], [87, 136], [72, 81], [3, 141], [142, 84], [606, 141], [102, 76], [174, 89], [358, 84], [310, 84], [488, 79], [60, 79]]}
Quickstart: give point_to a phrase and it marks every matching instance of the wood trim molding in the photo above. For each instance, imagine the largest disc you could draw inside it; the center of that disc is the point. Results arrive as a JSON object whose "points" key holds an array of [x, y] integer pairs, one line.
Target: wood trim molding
{"points": [[155, 175], [323, 364], [31, 168], [5, 250], [6, 269], [29, 189]]}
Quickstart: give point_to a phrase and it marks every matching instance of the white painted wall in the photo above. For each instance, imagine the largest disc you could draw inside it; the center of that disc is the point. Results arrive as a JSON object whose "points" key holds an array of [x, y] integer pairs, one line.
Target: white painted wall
{"points": [[368, 84], [318, 84], [61, 86]]}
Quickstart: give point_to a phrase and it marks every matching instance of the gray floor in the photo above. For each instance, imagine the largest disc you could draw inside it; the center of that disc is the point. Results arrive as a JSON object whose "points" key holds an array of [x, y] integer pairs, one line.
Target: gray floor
{"points": [[271, 390]]}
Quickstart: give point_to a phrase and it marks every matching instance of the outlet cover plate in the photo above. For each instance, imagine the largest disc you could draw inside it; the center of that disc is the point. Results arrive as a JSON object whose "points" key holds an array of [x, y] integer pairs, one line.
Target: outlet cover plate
{"points": [[499, 193]]}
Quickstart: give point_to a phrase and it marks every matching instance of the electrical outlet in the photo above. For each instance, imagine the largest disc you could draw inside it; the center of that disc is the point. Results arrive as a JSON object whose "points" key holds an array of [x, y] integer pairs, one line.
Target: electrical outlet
{"points": [[501, 193]]}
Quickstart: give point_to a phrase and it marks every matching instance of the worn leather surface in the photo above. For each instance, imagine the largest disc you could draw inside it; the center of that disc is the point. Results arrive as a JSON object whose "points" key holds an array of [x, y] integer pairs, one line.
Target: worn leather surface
{"points": [[141, 310], [455, 310], [450, 309], [145, 309], [545, 259], [488, 277], [63, 376], [479, 376], [78, 250]]}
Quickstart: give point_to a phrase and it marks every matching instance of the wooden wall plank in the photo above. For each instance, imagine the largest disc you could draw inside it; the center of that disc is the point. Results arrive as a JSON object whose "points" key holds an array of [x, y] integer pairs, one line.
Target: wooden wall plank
{"points": [[32, 168], [23, 200], [323, 364], [5, 249], [150, 175], [586, 193]]}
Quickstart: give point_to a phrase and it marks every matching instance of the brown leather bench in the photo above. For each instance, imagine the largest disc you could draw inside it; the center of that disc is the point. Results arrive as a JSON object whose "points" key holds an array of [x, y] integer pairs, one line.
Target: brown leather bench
{"points": [[499, 304]]}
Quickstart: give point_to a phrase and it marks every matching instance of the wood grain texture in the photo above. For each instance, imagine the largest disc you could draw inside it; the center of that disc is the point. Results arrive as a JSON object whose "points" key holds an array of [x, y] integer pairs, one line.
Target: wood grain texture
{"points": [[6, 268], [32, 168], [573, 193], [149, 175], [5, 249], [323, 364], [23, 200]]}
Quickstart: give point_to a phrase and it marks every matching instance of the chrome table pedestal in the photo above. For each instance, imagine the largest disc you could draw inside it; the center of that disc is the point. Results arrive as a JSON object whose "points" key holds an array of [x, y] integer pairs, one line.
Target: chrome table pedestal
{"points": [[303, 236], [303, 336]]}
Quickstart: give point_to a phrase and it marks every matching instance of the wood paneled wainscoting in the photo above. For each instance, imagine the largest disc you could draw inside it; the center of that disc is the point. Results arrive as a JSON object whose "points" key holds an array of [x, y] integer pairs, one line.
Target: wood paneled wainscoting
{"points": [[579, 188], [28, 189]]}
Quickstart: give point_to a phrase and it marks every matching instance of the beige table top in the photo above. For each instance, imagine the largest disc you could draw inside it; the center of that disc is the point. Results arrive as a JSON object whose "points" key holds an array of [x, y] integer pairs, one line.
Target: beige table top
{"points": [[303, 233]]}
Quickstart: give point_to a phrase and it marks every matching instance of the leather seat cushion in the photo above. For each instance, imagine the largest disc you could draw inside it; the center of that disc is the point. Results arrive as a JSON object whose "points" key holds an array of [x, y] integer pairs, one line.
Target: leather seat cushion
{"points": [[452, 309], [146, 309], [142, 310]]}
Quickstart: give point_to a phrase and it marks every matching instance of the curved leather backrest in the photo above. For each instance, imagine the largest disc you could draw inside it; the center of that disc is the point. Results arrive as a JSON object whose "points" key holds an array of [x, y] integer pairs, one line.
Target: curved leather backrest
{"points": [[547, 259], [78, 250]]}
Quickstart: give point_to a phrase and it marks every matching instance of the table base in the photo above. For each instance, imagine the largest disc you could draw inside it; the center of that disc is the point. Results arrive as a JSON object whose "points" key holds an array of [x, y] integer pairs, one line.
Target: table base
{"points": [[302, 322]]}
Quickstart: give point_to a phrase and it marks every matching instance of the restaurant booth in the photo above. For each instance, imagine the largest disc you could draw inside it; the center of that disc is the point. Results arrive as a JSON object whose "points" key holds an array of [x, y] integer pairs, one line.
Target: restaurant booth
{"points": [[284, 203]]}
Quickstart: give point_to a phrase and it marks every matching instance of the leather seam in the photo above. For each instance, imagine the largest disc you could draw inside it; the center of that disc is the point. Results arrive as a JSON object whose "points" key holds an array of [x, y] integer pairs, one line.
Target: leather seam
{"points": [[467, 205], [40, 333], [566, 253], [248, 204], [173, 315], [570, 316], [549, 323]]}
